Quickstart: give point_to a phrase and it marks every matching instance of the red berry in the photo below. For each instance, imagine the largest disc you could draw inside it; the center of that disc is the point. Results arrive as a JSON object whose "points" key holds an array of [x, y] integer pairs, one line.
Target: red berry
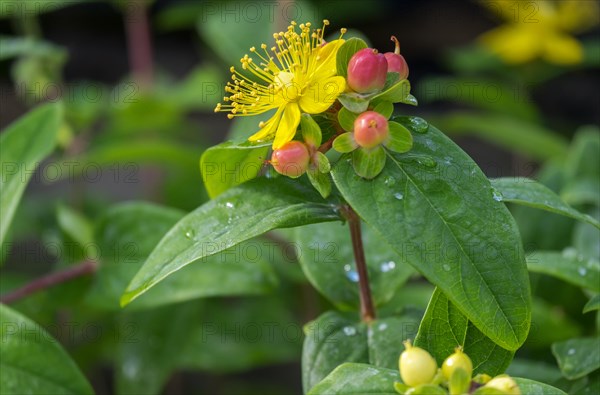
{"points": [[396, 62], [367, 70], [291, 160], [370, 129]]}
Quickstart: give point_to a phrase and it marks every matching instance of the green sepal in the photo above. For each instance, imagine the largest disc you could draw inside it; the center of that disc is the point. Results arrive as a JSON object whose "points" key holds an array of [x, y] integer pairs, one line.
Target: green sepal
{"points": [[459, 382], [383, 107], [322, 163], [400, 388], [346, 119], [427, 389], [345, 143], [368, 163], [311, 132], [400, 140], [321, 181], [397, 93], [354, 102]]}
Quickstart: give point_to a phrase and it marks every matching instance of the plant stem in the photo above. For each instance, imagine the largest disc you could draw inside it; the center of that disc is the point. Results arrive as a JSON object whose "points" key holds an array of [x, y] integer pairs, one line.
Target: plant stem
{"points": [[139, 43], [367, 310], [50, 280]]}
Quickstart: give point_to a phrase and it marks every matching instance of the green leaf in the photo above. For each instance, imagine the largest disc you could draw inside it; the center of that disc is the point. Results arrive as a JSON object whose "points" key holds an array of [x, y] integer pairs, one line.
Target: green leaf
{"points": [[358, 378], [33, 362], [577, 357], [549, 324], [533, 370], [335, 338], [581, 191], [311, 132], [321, 181], [23, 145], [146, 359], [235, 337], [368, 163], [345, 143], [400, 138], [75, 225], [327, 259], [530, 387], [568, 266], [533, 194], [592, 305], [447, 225], [527, 138], [127, 233], [444, 327], [346, 119], [241, 213], [345, 53], [228, 164]]}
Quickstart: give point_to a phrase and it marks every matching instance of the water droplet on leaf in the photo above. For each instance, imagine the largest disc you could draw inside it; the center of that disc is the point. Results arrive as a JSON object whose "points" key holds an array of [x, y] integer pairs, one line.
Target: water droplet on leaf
{"points": [[582, 271], [571, 351], [419, 125], [446, 267], [349, 331], [399, 195], [496, 195], [387, 266], [389, 181], [190, 234]]}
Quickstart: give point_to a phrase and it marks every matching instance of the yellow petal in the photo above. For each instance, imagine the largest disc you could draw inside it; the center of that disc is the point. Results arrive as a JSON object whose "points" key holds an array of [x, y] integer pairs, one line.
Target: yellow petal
{"points": [[319, 96], [326, 63], [267, 132], [563, 49], [514, 44], [287, 126]]}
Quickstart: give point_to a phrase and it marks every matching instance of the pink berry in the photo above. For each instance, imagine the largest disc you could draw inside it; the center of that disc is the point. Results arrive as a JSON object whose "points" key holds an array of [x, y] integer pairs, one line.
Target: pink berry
{"points": [[291, 160], [396, 62], [370, 129], [367, 70]]}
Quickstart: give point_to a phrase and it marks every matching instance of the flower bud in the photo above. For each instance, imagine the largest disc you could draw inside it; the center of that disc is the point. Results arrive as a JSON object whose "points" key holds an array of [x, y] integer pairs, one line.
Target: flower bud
{"points": [[505, 384], [291, 160], [396, 62], [367, 71], [458, 360], [417, 366], [370, 129]]}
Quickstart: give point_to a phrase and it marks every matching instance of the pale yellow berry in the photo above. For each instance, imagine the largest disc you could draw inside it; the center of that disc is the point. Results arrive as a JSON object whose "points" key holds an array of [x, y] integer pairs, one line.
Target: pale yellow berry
{"points": [[417, 366], [505, 384]]}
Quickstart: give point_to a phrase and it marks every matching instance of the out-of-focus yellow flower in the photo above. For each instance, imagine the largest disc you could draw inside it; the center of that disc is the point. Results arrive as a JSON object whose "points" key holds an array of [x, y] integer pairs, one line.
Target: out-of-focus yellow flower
{"points": [[540, 29], [302, 80]]}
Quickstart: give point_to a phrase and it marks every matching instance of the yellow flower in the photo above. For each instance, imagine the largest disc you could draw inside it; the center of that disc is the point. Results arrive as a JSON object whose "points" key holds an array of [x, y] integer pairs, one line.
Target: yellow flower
{"points": [[540, 29], [298, 76]]}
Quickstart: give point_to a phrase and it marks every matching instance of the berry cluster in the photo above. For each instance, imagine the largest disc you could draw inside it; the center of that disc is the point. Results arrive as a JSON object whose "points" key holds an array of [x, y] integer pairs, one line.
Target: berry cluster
{"points": [[420, 375]]}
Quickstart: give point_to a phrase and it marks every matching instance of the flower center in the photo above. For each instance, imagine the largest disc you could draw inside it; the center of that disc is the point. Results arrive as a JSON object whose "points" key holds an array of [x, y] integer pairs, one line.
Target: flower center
{"points": [[288, 86]]}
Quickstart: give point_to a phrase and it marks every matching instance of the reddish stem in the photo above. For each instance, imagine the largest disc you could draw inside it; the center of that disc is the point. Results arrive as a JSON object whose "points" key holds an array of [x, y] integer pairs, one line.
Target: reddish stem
{"points": [[50, 280], [139, 43], [367, 310]]}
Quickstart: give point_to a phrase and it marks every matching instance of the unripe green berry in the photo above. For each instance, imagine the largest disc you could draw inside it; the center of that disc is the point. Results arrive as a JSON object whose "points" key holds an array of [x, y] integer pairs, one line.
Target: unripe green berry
{"points": [[367, 71], [505, 384], [291, 160], [370, 129], [417, 366], [458, 360]]}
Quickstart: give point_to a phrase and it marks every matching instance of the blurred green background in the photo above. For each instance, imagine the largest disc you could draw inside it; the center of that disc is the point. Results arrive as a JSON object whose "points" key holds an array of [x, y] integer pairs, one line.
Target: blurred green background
{"points": [[515, 83]]}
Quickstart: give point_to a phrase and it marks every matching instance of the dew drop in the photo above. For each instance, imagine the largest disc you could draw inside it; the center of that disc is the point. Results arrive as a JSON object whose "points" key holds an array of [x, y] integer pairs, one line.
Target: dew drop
{"points": [[389, 181], [446, 267], [399, 195], [427, 162], [571, 351], [570, 253], [383, 326], [387, 266], [229, 205], [349, 330], [496, 195], [190, 234], [419, 125], [352, 275], [582, 271]]}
